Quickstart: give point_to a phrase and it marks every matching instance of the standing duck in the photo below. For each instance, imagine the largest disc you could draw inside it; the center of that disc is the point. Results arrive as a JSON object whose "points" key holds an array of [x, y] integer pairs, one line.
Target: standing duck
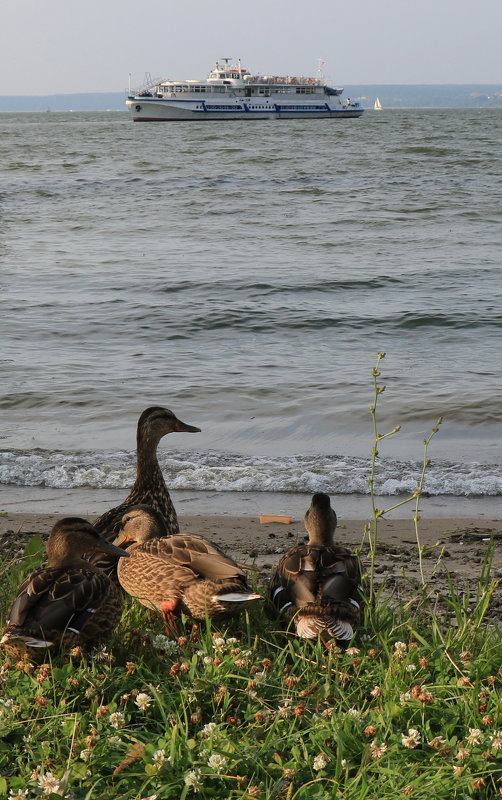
{"points": [[149, 488], [69, 603], [183, 573], [316, 586]]}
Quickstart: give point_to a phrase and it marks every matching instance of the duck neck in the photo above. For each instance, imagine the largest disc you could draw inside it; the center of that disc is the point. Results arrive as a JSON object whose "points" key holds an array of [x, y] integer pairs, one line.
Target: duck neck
{"points": [[147, 462], [321, 537]]}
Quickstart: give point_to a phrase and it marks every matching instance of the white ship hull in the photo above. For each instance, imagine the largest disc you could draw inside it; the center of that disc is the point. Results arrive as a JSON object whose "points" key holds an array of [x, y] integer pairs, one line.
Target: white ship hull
{"points": [[159, 110]]}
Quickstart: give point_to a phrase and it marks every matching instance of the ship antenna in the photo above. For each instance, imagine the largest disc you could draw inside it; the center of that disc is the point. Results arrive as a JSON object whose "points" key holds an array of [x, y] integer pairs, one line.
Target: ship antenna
{"points": [[320, 64]]}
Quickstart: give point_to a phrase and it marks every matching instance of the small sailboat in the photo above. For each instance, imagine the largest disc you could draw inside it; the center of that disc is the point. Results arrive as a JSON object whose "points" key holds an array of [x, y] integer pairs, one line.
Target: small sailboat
{"points": [[378, 106]]}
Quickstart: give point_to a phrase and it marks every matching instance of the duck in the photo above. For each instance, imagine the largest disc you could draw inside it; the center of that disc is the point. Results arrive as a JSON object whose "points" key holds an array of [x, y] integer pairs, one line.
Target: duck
{"points": [[149, 488], [316, 586], [69, 603], [184, 573]]}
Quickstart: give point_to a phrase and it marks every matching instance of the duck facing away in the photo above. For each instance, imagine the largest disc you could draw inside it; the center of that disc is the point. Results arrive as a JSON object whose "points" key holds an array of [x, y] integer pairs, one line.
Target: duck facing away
{"points": [[316, 586], [185, 573], [69, 603], [149, 488]]}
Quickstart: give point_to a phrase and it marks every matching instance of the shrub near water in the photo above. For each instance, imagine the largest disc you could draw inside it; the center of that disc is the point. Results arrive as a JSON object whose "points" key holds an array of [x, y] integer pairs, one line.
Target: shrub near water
{"points": [[411, 709]]}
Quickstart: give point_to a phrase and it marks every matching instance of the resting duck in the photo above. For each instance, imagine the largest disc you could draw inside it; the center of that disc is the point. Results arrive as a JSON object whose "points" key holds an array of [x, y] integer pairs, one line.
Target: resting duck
{"points": [[183, 573], [316, 586], [69, 603], [149, 488]]}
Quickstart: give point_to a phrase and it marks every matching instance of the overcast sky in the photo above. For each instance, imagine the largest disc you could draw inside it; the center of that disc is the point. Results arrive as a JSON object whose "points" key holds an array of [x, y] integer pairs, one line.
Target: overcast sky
{"points": [[64, 46]]}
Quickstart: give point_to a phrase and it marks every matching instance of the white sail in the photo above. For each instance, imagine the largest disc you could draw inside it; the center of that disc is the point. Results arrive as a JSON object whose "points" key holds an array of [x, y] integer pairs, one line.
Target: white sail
{"points": [[378, 106]]}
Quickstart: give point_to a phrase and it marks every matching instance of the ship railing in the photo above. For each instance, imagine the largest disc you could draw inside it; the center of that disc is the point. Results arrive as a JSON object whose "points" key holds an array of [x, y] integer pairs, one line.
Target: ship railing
{"points": [[149, 85], [283, 79]]}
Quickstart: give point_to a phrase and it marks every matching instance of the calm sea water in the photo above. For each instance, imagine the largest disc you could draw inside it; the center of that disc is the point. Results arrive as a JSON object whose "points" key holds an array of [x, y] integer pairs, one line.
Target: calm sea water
{"points": [[245, 275]]}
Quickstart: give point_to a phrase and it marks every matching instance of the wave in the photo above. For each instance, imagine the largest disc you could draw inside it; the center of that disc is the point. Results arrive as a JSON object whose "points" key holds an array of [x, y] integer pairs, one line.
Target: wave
{"points": [[225, 472]]}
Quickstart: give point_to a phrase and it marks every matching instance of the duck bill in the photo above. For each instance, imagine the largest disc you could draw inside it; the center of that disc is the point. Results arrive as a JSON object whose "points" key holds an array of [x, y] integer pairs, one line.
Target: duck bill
{"points": [[112, 549], [182, 427]]}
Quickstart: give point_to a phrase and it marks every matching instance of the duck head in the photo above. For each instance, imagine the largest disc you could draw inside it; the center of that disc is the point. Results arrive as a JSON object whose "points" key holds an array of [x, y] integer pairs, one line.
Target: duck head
{"points": [[139, 524], [320, 520], [156, 422], [71, 537]]}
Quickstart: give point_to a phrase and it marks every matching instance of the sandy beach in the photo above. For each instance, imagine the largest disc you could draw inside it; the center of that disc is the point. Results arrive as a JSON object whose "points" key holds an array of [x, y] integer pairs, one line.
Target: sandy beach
{"points": [[452, 544]]}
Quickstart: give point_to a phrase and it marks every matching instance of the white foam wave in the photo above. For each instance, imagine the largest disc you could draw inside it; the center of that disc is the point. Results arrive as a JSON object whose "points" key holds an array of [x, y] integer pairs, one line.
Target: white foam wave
{"points": [[236, 473]]}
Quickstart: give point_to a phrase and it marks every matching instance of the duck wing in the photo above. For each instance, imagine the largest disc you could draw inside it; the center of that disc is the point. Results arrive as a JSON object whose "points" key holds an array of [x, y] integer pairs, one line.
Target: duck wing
{"points": [[204, 558], [54, 599]]}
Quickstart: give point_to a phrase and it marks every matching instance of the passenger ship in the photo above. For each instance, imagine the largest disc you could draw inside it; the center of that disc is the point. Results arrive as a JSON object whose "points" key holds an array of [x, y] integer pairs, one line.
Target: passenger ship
{"points": [[232, 92]]}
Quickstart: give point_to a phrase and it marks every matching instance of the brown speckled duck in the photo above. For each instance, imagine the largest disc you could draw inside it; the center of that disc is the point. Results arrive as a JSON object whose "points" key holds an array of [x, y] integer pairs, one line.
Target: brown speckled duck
{"points": [[316, 586], [183, 573], [69, 603], [149, 488]]}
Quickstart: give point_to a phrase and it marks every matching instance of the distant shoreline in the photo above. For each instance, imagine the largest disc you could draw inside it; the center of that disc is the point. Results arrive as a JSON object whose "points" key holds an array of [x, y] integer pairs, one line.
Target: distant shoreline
{"points": [[474, 96]]}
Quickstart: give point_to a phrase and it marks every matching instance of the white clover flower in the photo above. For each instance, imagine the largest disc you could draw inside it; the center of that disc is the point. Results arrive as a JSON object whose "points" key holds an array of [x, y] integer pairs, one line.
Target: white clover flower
{"points": [[412, 739], [219, 642], [411, 667], [207, 660], [162, 642], [159, 758], [204, 753], [115, 741], [208, 729], [343, 763], [117, 719], [496, 740], [400, 649], [143, 700], [475, 736], [320, 761], [352, 651], [353, 712], [232, 640], [405, 697], [377, 751], [49, 784], [21, 794], [86, 754], [193, 780], [217, 762]]}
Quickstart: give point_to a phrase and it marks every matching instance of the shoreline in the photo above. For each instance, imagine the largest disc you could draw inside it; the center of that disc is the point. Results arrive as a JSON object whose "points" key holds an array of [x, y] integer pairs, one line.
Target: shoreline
{"points": [[86, 502]]}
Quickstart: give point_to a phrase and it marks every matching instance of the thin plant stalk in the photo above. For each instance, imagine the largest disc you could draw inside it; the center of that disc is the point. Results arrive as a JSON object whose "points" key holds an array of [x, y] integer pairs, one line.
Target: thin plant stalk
{"points": [[372, 528]]}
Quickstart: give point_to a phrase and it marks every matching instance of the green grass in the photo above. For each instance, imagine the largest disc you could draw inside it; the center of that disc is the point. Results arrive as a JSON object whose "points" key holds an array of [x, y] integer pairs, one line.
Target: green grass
{"points": [[287, 718]]}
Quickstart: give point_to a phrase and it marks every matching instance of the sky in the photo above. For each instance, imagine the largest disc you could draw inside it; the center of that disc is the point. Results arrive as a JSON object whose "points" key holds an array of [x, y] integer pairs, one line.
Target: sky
{"points": [[65, 46]]}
